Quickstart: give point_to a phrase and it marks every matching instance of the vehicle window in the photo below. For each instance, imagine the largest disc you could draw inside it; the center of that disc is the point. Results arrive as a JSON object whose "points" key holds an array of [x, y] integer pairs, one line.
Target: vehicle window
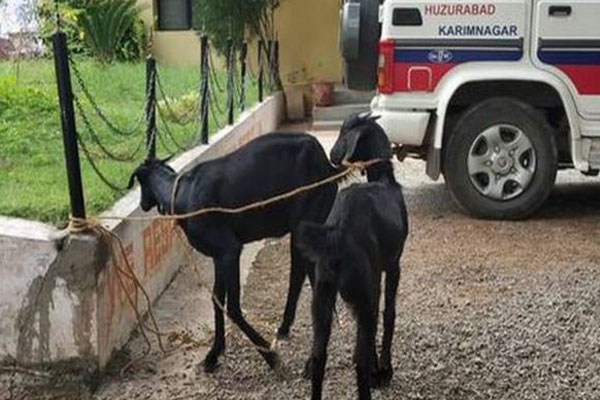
{"points": [[174, 15], [407, 17]]}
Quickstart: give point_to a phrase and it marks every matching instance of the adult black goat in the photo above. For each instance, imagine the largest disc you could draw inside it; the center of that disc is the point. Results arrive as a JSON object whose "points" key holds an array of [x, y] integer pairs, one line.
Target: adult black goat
{"points": [[265, 167], [363, 237]]}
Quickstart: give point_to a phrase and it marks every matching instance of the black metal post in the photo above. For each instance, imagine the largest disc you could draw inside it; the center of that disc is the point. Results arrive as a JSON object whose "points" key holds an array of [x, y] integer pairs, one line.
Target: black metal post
{"points": [[261, 71], [276, 63], [67, 119], [244, 74], [270, 57], [230, 84], [204, 98], [151, 107]]}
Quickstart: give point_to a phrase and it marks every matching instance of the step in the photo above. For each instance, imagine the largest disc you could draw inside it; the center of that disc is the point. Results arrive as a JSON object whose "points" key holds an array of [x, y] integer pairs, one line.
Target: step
{"points": [[339, 112], [342, 96], [327, 125]]}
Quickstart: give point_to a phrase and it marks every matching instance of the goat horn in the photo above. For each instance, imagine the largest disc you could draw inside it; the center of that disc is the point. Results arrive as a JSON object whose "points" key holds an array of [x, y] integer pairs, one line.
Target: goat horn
{"points": [[365, 116]]}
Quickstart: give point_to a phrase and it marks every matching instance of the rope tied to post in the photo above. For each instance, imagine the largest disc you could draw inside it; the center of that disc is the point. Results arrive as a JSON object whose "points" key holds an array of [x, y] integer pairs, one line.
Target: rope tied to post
{"points": [[114, 245]]}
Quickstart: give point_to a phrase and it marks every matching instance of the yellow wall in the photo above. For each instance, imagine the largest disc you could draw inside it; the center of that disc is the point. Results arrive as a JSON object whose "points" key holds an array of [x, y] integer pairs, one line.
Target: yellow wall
{"points": [[146, 12], [176, 47], [307, 31], [172, 47]]}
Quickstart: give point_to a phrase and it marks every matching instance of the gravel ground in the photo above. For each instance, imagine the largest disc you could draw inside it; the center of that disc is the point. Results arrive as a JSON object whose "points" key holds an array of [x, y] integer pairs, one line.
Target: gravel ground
{"points": [[486, 310]]}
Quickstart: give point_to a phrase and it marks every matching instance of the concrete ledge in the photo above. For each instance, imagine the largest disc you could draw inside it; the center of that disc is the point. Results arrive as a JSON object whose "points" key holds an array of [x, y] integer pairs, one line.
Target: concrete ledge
{"points": [[60, 297]]}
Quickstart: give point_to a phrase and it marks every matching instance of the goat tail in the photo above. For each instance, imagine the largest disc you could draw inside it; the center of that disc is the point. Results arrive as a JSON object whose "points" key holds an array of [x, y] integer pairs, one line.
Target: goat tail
{"points": [[315, 240]]}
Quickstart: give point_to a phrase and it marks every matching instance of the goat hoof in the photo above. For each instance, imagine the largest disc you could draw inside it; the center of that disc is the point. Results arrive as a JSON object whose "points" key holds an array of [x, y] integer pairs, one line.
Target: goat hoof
{"points": [[272, 359], [283, 334], [282, 373], [382, 378], [210, 363]]}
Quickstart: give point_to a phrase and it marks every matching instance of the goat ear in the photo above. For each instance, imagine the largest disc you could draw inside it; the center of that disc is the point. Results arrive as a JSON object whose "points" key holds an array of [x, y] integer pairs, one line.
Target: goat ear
{"points": [[166, 160], [313, 240], [132, 180], [352, 143], [374, 118], [351, 122]]}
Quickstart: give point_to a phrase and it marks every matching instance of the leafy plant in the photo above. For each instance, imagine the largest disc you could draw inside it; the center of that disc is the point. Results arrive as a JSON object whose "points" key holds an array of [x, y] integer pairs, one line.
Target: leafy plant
{"points": [[69, 14], [106, 29], [134, 42], [181, 110], [104, 24]]}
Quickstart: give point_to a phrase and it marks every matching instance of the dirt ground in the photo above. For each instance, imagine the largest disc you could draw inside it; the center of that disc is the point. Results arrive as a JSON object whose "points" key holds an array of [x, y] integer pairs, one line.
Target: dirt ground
{"points": [[486, 310]]}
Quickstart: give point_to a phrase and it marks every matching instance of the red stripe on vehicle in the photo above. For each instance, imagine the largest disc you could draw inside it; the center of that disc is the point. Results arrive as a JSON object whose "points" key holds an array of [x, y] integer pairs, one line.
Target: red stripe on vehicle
{"points": [[586, 78]]}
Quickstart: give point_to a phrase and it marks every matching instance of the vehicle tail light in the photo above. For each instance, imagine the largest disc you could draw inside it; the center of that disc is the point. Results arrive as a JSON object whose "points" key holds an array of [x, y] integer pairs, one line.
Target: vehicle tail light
{"points": [[385, 68]]}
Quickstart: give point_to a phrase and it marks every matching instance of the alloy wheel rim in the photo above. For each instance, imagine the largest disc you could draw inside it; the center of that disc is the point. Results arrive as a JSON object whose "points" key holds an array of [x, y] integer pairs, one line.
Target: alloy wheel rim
{"points": [[501, 162]]}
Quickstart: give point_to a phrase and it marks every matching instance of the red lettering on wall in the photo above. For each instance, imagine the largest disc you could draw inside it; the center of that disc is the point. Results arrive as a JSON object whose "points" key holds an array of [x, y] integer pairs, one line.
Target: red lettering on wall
{"points": [[148, 253], [158, 242], [114, 292], [157, 238]]}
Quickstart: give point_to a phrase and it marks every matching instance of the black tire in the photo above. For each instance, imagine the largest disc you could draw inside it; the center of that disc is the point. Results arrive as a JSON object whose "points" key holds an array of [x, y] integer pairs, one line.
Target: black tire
{"points": [[492, 112], [361, 74]]}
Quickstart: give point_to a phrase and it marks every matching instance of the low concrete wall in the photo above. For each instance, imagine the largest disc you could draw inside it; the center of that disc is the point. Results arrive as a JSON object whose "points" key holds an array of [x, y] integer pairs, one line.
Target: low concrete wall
{"points": [[61, 298], [48, 297]]}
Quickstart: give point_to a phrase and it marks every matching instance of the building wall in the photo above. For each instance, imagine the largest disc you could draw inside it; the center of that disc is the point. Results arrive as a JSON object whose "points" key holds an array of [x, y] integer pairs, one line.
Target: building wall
{"points": [[307, 30], [172, 47]]}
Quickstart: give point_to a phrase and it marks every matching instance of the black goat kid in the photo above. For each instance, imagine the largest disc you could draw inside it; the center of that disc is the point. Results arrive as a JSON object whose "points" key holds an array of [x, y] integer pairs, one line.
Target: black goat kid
{"points": [[363, 237], [268, 166]]}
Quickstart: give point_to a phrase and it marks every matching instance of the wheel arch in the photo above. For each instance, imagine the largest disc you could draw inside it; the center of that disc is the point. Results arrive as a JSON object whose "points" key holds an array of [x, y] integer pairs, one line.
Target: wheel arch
{"points": [[454, 89]]}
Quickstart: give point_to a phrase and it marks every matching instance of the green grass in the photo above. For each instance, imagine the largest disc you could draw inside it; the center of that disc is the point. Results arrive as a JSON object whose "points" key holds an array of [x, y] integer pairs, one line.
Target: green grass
{"points": [[33, 182]]}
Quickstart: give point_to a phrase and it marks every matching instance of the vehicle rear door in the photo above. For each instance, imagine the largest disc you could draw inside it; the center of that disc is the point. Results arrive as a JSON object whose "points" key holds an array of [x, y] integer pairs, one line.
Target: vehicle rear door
{"points": [[566, 41]]}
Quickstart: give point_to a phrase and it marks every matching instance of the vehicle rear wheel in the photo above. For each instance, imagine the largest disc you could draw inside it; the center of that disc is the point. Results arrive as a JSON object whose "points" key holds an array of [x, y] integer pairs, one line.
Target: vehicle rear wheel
{"points": [[501, 160]]}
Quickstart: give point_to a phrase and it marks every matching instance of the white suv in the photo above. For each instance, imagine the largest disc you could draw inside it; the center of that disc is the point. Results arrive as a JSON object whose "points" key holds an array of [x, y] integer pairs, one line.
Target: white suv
{"points": [[496, 95]]}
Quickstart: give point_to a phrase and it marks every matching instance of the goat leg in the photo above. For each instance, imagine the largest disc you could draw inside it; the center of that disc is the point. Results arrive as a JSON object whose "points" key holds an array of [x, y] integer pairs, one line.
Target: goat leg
{"points": [[365, 344], [374, 359], [297, 277], [236, 315], [392, 279], [375, 375], [212, 358], [322, 312]]}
